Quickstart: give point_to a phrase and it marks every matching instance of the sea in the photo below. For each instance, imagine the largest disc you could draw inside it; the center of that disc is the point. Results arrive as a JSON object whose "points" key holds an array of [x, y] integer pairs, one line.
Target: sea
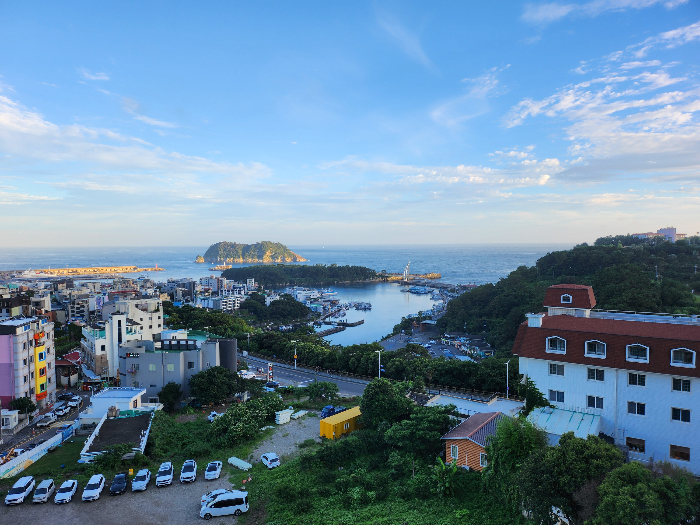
{"points": [[458, 264]]}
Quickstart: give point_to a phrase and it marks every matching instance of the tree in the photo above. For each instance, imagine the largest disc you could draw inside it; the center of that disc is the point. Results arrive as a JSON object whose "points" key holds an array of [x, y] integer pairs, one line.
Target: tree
{"points": [[322, 390], [214, 384], [23, 404], [551, 476], [385, 402], [533, 397], [170, 395], [419, 436]]}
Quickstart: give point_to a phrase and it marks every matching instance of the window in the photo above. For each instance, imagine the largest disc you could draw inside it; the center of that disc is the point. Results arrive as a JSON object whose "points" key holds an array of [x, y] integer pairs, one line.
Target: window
{"points": [[153, 386], [635, 445], [482, 460], [24, 362], [25, 380], [190, 365], [681, 385], [31, 375], [595, 402], [636, 408], [556, 370], [683, 357], [153, 400], [556, 345], [454, 451], [566, 298], [680, 414], [596, 374], [42, 356], [42, 372], [171, 367], [49, 380], [637, 380], [595, 349], [135, 366], [638, 353], [556, 396], [682, 453], [346, 426], [48, 365], [31, 391], [42, 387], [151, 368]]}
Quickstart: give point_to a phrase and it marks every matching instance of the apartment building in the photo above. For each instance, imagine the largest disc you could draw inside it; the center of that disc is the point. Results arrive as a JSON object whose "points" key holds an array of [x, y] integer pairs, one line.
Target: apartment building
{"points": [[638, 372], [14, 305], [27, 360]]}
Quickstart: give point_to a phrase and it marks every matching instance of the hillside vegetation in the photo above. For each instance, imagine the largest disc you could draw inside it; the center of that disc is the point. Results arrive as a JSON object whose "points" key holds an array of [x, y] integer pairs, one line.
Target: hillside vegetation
{"points": [[265, 251], [658, 277], [302, 275]]}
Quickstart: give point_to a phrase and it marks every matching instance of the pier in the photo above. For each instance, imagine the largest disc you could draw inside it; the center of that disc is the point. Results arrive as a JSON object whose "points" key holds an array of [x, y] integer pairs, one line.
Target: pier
{"points": [[347, 324], [334, 330]]}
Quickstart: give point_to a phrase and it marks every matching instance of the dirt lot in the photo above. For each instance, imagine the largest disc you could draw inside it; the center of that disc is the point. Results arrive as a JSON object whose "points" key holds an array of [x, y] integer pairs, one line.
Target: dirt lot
{"points": [[286, 437]]}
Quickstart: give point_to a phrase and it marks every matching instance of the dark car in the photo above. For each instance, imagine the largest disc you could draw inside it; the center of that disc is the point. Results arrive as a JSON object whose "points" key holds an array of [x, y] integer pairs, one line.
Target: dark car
{"points": [[272, 384], [32, 446], [65, 397], [118, 485]]}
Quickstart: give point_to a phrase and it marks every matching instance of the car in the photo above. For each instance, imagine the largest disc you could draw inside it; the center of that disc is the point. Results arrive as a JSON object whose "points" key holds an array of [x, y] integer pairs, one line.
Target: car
{"points": [[32, 446], [213, 470], [20, 490], [75, 401], [65, 397], [47, 420], [267, 389], [66, 491], [62, 411], [119, 484], [16, 452], [165, 474], [233, 502], [93, 490], [44, 491], [247, 375], [270, 459], [338, 410], [211, 417], [212, 495], [189, 471], [272, 384], [141, 481], [431, 352]]}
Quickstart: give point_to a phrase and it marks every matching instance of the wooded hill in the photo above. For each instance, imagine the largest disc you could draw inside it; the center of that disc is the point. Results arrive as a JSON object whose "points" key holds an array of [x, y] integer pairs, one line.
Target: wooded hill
{"points": [[301, 275], [265, 251], [659, 277]]}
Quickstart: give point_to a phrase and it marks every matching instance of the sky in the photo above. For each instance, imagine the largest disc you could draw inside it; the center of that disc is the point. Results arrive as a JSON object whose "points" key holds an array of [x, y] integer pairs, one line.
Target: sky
{"points": [[188, 123]]}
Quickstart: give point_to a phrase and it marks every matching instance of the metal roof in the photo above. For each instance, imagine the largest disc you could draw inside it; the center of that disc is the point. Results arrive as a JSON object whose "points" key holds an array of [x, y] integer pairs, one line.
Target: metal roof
{"points": [[558, 421]]}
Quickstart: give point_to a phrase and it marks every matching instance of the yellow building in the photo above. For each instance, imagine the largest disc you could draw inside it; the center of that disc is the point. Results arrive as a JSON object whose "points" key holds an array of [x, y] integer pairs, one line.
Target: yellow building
{"points": [[40, 371], [335, 426]]}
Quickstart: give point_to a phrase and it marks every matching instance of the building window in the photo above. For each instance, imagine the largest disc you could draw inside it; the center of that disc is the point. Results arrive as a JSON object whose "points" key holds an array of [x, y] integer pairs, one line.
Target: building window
{"points": [[681, 453], [48, 365], [25, 380], [31, 375], [153, 400], [24, 362], [595, 402], [171, 367], [636, 408], [595, 349], [596, 374], [42, 372], [31, 391], [556, 396], [454, 451], [42, 356], [566, 298], [190, 365], [556, 370], [346, 426], [42, 387], [135, 366], [683, 357], [49, 380], [482, 460], [638, 353], [637, 380], [636, 445], [680, 414], [681, 385], [153, 386], [556, 345], [151, 368]]}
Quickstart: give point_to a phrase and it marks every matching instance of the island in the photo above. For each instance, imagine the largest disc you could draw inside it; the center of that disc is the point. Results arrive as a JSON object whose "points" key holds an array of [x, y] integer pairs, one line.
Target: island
{"points": [[260, 252]]}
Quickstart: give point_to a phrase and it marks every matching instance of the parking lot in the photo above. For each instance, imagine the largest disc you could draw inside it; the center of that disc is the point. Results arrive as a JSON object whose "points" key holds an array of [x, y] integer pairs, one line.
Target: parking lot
{"points": [[175, 505]]}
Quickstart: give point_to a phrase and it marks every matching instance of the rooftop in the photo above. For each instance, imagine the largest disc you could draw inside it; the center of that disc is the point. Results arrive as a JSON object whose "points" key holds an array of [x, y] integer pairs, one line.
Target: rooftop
{"points": [[120, 393], [470, 407], [477, 428], [343, 416], [120, 430], [559, 421]]}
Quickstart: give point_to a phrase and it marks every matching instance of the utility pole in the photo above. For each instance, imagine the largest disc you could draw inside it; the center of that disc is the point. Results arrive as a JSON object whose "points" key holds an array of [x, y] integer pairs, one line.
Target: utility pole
{"points": [[507, 387], [380, 363], [295, 354]]}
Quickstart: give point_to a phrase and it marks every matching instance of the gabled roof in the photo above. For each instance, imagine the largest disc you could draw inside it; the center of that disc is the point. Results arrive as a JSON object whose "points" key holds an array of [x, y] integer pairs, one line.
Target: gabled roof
{"points": [[477, 428], [581, 296]]}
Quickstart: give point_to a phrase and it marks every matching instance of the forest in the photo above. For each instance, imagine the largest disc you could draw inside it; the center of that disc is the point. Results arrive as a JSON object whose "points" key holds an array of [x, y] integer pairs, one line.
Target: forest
{"points": [[271, 275]]}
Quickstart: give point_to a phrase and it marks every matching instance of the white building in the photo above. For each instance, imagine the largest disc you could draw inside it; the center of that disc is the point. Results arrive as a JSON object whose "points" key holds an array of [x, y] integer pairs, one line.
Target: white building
{"points": [[637, 372]]}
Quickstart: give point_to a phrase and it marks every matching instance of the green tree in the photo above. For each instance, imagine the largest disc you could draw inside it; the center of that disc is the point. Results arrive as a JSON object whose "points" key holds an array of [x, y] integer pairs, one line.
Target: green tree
{"points": [[551, 477], [214, 384], [443, 473], [533, 397], [23, 404], [384, 402], [322, 390], [419, 436], [170, 395]]}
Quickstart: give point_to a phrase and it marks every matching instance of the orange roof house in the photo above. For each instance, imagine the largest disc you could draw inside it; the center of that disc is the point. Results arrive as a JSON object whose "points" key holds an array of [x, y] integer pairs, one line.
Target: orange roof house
{"points": [[466, 443]]}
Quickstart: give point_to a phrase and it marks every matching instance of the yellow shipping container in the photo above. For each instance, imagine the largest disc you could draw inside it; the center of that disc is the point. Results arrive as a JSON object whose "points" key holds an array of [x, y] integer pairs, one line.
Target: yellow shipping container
{"points": [[335, 426]]}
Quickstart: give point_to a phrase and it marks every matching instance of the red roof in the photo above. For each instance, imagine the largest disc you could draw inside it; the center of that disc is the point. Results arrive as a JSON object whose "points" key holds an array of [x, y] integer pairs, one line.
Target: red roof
{"points": [[73, 356], [63, 362], [660, 338], [477, 428], [581, 296]]}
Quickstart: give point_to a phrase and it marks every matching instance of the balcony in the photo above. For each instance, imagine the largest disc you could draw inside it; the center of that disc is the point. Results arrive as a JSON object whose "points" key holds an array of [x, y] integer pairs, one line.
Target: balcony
{"points": [[132, 371]]}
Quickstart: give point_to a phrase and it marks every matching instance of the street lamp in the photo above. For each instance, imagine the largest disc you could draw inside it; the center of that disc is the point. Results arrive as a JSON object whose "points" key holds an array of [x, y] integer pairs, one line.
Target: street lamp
{"points": [[380, 363], [507, 388], [295, 354]]}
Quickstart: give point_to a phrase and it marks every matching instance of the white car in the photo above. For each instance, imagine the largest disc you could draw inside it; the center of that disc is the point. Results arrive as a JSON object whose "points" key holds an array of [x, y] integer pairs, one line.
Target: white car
{"points": [[247, 374], [141, 481], [189, 471], [48, 419], [20, 490], [211, 496], [271, 460], [93, 489], [165, 474], [66, 491], [234, 502], [44, 491], [211, 417], [62, 411], [75, 401], [213, 470]]}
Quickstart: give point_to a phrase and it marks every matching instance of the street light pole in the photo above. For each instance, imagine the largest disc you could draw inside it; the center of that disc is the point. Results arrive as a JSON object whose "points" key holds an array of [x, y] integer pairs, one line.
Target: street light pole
{"points": [[295, 354], [380, 363], [507, 387]]}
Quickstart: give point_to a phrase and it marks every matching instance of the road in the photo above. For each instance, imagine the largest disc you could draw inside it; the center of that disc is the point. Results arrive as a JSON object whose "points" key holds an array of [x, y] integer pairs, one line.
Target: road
{"points": [[287, 375]]}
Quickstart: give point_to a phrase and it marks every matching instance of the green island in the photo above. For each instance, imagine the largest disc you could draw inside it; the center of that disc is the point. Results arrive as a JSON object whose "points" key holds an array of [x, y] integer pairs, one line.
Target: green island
{"points": [[303, 274], [263, 252]]}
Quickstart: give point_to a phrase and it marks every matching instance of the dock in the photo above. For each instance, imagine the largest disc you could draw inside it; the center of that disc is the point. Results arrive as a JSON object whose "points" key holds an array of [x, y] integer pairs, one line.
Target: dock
{"points": [[335, 330], [347, 324]]}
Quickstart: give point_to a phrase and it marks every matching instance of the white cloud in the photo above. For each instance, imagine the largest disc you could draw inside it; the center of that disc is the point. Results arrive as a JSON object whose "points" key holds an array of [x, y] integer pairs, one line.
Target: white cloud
{"points": [[134, 108], [92, 76], [551, 12], [408, 42], [154, 122], [633, 65]]}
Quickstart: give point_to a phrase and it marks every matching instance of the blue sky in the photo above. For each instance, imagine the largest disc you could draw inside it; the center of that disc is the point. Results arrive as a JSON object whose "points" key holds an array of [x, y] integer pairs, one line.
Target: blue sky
{"points": [[175, 123]]}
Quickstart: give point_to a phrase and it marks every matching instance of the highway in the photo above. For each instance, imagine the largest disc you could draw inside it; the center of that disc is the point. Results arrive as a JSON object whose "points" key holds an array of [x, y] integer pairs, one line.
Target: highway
{"points": [[287, 375]]}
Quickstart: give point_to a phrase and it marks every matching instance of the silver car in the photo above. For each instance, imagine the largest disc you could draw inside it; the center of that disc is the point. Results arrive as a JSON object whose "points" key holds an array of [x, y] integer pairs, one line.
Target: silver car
{"points": [[66, 492], [141, 481], [44, 491]]}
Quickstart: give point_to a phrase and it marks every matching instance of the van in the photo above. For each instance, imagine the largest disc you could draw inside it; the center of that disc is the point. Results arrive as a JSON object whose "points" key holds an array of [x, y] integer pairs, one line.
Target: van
{"points": [[48, 419], [234, 502]]}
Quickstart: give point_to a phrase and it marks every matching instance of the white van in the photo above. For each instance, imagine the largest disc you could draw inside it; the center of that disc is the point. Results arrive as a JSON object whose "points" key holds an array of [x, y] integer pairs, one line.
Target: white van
{"points": [[234, 502]]}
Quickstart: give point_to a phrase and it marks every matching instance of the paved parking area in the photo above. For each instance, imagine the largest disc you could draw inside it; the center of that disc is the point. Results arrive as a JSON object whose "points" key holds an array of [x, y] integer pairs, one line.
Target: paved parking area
{"points": [[177, 504]]}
